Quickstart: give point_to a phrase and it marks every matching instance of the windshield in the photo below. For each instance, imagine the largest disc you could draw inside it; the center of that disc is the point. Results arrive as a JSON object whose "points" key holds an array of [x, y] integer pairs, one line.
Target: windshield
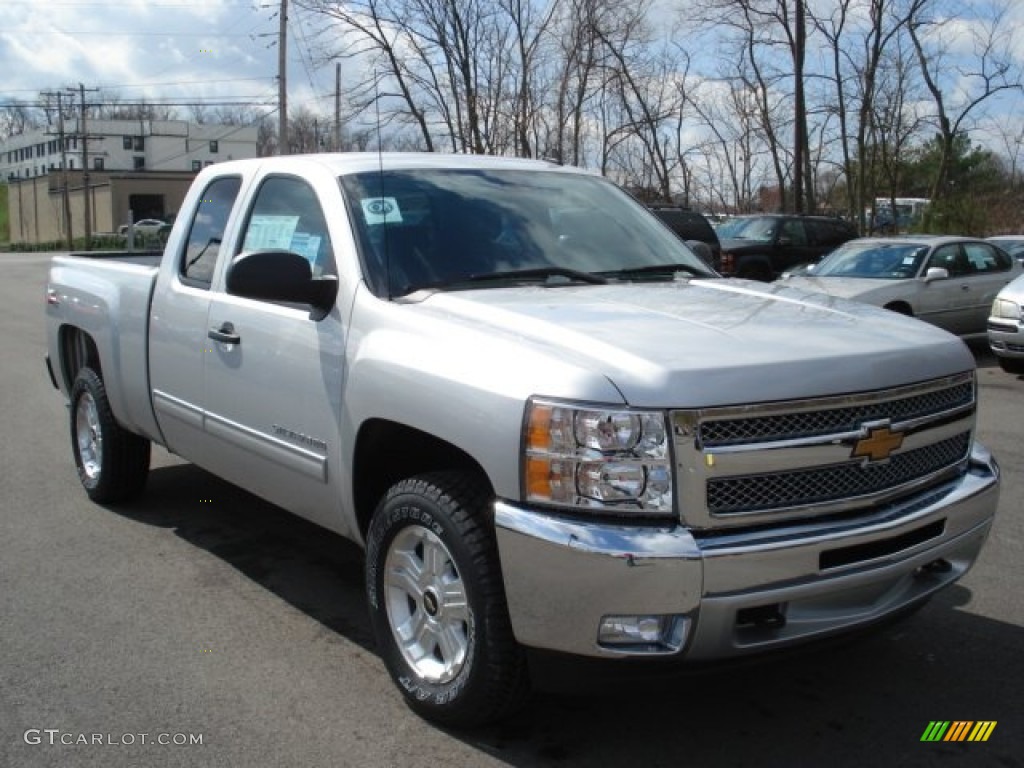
{"points": [[760, 229], [451, 228], [887, 261]]}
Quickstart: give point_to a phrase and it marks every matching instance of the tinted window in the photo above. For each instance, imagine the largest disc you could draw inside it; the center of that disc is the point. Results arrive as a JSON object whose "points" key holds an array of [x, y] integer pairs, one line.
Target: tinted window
{"points": [[759, 229], [793, 231], [985, 258], [687, 224], [207, 230], [950, 258]]}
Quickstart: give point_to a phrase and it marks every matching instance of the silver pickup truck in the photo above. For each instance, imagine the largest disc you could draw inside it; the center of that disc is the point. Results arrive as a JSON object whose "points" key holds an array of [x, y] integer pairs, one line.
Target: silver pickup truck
{"points": [[549, 424]]}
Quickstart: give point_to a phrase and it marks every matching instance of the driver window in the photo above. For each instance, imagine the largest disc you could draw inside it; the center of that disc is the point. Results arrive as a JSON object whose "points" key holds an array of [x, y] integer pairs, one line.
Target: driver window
{"points": [[286, 215], [794, 232], [949, 258]]}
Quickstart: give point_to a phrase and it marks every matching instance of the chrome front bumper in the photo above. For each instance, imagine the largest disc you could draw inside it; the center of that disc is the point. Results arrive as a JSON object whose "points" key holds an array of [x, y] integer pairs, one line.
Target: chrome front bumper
{"points": [[1006, 337], [744, 591]]}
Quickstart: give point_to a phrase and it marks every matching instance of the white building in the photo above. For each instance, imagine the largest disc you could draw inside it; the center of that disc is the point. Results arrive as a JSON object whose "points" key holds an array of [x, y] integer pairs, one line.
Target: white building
{"points": [[125, 145]]}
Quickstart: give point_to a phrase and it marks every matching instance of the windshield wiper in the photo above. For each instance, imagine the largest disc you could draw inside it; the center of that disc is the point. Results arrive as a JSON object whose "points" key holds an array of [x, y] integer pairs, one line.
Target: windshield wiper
{"points": [[537, 274], [654, 269]]}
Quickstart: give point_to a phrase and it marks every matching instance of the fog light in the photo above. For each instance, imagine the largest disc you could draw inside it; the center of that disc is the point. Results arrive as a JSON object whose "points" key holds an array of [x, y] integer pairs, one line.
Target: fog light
{"points": [[643, 634]]}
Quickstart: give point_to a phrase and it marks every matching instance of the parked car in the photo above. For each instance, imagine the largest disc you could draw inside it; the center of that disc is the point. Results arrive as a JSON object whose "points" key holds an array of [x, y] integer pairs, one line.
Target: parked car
{"points": [[143, 227], [691, 227], [947, 281], [764, 246], [1012, 244], [1006, 327]]}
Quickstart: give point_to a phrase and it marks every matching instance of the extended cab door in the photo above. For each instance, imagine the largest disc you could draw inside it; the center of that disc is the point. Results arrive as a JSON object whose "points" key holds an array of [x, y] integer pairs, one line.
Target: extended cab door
{"points": [[178, 346], [273, 375]]}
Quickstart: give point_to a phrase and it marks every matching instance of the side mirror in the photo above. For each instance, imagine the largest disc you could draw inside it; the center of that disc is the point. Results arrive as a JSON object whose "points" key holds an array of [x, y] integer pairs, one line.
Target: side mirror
{"points": [[280, 276], [936, 273]]}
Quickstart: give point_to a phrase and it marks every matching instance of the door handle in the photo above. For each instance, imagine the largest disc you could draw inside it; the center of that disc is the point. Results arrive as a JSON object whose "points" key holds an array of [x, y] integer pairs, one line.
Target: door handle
{"points": [[225, 334]]}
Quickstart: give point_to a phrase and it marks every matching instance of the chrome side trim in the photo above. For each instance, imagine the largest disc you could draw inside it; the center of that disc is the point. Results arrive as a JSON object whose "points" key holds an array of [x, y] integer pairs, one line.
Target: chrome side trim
{"points": [[276, 451], [301, 460], [176, 408]]}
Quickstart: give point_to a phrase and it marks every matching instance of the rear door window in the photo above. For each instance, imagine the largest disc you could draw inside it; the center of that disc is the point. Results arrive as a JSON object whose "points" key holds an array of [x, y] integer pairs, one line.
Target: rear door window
{"points": [[207, 231]]}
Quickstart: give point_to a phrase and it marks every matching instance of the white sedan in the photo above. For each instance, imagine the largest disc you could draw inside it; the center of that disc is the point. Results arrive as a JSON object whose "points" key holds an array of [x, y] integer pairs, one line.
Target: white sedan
{"points": [[947, 281], [147, 227], [1006, 327]]}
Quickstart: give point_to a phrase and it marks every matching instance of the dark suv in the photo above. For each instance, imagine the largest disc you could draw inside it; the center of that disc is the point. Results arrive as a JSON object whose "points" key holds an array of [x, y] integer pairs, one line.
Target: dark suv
{"points": [[763, 246], [690, 226]]}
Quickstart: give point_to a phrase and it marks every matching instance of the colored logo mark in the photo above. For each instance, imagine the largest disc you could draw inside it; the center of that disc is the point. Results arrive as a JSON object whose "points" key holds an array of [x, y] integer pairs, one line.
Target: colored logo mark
{"points": [[958, 730]]}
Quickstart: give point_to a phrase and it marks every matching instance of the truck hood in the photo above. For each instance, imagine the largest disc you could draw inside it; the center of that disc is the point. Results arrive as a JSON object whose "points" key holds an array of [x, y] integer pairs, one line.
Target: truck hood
{"points": [[698, 343]]}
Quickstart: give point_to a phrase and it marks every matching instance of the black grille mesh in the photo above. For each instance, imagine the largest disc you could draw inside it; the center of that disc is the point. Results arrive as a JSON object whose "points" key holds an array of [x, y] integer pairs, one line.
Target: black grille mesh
{"points": [[845, 481]]}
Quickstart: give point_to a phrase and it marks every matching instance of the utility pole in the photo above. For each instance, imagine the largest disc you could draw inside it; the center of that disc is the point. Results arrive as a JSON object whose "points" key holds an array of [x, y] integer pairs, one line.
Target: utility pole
{"points": [[85, 171], [282, 81], [337, 106], [64, 169]]}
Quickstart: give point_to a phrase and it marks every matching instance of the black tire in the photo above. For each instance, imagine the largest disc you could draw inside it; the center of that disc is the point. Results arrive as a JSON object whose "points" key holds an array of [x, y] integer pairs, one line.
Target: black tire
{"points": [[1011, 364], [481, 675], [112, 462]]}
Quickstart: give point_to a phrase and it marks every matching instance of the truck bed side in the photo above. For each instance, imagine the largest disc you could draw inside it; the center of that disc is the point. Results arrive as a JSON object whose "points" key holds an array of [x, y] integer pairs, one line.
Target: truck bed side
{"points": [[98, 315]]}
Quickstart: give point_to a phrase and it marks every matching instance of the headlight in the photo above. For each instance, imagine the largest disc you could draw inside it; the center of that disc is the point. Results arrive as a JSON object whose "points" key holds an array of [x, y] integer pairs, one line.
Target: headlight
{"points": [[595, 458], [1005, 308]]}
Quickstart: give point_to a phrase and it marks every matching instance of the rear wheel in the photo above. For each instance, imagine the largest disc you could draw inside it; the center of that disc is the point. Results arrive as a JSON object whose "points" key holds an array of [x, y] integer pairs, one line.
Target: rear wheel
{"points": [[437, 602], [112, 462]]}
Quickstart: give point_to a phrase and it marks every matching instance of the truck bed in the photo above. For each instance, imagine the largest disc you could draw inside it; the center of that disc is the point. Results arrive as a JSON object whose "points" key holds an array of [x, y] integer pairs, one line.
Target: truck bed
{"points": [[105, 296]]}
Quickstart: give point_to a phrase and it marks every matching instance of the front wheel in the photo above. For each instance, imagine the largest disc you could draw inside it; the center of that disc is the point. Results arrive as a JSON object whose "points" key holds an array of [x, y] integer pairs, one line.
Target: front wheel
{"points": [[437, 602], [112, 462]]}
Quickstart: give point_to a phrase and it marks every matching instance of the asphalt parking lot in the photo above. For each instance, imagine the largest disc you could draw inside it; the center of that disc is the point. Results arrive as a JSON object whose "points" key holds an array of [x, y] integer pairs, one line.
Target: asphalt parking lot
{"points": [[200, 611]]}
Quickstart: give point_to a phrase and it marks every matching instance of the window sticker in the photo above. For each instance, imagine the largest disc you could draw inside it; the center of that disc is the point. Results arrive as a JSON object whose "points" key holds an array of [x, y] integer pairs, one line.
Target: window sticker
{"points": [[306, 245], [267, 231], [381, 210], [908, 261]]}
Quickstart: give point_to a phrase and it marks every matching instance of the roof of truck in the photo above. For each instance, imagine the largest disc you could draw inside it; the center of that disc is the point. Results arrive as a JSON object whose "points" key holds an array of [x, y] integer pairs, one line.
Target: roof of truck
{"points": [[358, 162]]}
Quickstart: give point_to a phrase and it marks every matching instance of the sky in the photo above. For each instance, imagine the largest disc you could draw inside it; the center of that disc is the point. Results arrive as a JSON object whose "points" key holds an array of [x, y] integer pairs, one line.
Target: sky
{"points": [[211, 50], [169, 50]]}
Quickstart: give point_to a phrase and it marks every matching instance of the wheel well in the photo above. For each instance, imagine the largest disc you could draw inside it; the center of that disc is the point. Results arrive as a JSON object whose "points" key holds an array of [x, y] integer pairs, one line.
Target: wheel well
{"points": [[77, 351], [900, 306], [755, 267], [387, 452]]}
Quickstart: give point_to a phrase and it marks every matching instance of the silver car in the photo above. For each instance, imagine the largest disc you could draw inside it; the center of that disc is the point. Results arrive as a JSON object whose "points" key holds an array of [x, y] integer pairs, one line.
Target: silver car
{"points": [[1012, 244], [947, 281], [1006, 327]]}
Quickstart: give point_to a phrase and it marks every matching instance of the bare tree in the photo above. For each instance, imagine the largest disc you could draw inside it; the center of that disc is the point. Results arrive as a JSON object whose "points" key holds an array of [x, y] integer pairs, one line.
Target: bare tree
{"points": [[989, 70], [17, 117]]}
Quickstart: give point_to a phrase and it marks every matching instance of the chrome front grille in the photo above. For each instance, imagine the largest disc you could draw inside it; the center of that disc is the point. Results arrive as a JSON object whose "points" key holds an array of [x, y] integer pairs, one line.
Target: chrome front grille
{"points": [[776, 462], [788, 426], [846, 481]]}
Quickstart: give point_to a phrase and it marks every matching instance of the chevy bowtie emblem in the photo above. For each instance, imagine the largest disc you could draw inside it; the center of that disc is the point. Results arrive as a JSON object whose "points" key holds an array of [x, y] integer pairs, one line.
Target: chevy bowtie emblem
{"points": [[878, 444]]}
